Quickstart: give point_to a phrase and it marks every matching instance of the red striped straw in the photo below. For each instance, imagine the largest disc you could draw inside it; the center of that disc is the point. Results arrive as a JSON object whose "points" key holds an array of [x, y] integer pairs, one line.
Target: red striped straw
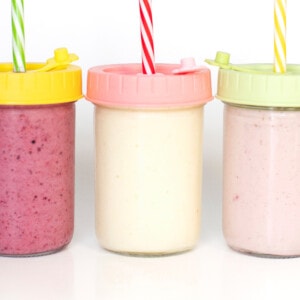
{"points": [[147, 37]]}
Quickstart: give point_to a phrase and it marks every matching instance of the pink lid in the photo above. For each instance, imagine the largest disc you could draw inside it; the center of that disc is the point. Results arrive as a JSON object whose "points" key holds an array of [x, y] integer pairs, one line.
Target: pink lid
{"points": [[126, 86]]}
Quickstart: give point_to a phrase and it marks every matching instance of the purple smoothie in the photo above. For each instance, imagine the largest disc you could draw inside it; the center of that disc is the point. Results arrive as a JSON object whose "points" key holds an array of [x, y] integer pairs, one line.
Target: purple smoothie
{"points": [[36, 178]]}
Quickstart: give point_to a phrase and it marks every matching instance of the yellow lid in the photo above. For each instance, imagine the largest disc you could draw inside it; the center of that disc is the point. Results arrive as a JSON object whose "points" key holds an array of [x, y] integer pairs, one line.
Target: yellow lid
{"points": [[59, 84]]}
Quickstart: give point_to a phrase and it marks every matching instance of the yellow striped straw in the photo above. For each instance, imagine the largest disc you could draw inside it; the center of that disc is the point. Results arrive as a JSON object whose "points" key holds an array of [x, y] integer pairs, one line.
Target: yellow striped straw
{"points": [[280, 36]]}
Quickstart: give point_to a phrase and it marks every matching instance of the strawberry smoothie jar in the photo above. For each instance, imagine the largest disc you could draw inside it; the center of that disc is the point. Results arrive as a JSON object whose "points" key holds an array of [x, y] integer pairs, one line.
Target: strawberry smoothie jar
{"points": [[37, 125], [261, 182], [148, 131]]}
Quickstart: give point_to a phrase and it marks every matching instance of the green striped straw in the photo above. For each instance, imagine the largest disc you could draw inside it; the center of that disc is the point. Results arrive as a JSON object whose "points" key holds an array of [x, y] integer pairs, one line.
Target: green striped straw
{"points": [[18, 44]]}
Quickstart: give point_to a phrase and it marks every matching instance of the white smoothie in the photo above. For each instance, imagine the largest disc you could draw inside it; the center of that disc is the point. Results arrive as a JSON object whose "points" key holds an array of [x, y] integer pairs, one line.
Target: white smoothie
{"points": [[148, 179]]}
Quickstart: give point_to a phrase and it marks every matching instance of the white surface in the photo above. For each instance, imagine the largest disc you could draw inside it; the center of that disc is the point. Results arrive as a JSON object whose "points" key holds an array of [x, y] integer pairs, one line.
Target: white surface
{"points": [[104, 32]]}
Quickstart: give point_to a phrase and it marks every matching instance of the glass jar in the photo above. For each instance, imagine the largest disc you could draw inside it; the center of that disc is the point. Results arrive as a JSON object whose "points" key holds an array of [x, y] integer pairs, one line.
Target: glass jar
{"points": [[37, 133], [148, 132], [261, 176], [261, 208]]}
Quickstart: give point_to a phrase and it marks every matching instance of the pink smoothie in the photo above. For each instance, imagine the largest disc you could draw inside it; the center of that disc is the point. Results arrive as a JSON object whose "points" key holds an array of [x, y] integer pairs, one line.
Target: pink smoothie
{"points": [[261, 208], [36, 178]]}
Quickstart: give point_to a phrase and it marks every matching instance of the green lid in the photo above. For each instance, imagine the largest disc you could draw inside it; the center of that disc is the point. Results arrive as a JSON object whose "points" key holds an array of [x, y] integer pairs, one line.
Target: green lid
{"points": [[257, 84]]}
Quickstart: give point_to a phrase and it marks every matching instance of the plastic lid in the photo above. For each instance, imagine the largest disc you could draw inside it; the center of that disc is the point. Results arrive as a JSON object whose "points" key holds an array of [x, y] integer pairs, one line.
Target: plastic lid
{"points": [[257, 84], [126, 86], [47, 83]]}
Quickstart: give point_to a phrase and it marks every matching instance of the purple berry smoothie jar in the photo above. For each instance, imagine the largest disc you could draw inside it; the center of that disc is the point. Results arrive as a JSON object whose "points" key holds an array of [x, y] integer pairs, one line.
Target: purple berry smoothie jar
{"points": [[37, 133]]}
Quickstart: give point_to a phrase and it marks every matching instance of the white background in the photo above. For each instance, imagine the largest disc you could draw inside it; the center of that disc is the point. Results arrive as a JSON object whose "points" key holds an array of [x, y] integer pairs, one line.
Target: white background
{"points": [[106, 32]]}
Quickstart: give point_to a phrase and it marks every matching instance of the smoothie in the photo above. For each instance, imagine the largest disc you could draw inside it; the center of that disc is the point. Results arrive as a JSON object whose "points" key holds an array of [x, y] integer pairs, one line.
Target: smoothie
{"points": [[148, 170], [36, 178], [261, 175], [148, 137], [261, 209]]}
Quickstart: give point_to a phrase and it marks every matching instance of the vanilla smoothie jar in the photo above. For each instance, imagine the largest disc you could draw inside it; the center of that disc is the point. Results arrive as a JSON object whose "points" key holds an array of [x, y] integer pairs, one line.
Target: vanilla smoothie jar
{"points": [[148, 131], [37, 133], [261, 182]]}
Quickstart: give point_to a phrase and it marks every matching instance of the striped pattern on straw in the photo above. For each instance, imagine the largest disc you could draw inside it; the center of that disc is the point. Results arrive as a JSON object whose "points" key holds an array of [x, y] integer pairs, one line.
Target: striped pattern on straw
{"points": [[147, 37], [280, 36], [18, 43]]}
